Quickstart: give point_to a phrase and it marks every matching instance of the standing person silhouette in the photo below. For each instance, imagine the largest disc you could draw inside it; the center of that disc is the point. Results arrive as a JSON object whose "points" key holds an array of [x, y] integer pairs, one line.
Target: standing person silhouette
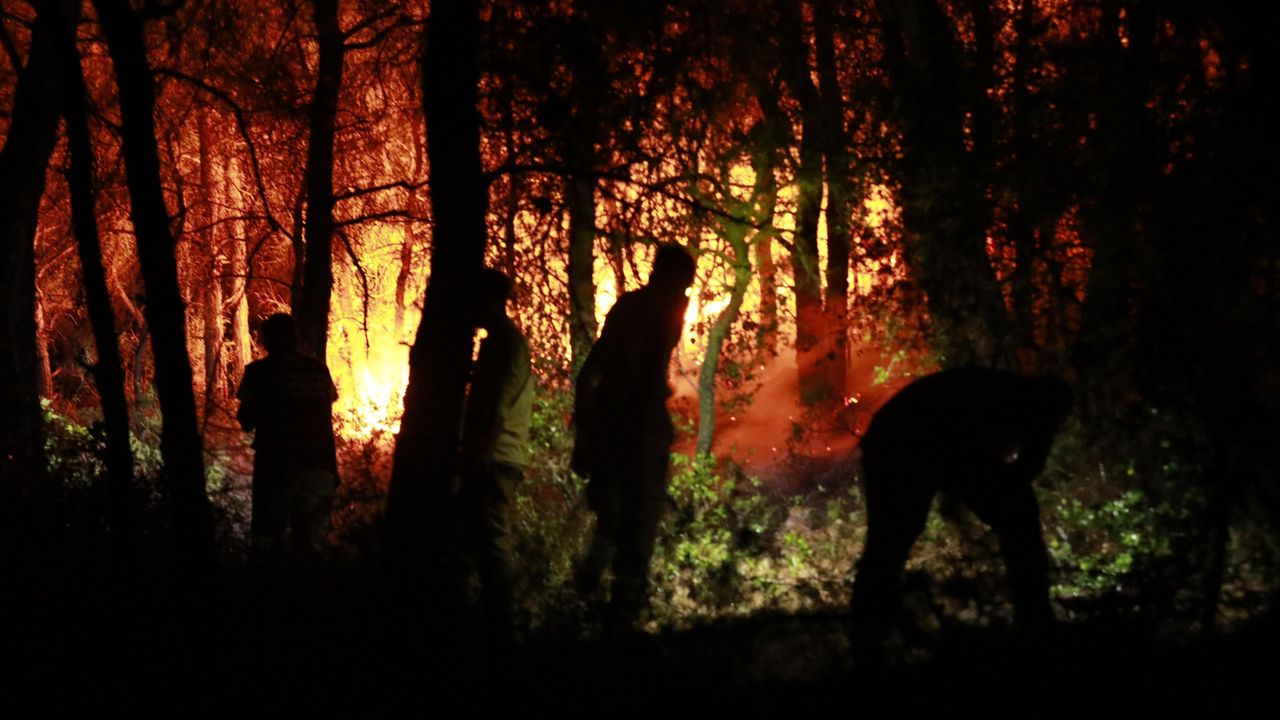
{"points": [[624, 433], [495, 442], [286, 400]]}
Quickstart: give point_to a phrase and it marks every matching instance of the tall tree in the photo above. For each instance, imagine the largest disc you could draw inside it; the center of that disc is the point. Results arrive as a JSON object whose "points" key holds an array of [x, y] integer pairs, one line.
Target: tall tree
{"points": [[312, 308], [180, 444], [945, 208], [108, 370], [33, 129], [419, 502]]}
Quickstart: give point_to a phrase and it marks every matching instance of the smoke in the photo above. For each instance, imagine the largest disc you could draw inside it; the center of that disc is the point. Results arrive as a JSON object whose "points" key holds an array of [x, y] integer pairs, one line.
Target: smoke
{"points": [[791, 447]]}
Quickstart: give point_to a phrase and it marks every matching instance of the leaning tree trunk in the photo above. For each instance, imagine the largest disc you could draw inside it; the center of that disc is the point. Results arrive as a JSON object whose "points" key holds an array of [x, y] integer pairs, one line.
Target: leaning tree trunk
{"points": [[33, 128], [108, 371], [419, 505], [312, 308], [180, 445], [735, 233]]}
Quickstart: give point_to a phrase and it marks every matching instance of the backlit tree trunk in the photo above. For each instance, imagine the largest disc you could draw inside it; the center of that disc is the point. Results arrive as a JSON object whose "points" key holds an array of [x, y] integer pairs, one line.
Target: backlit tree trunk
{"points": [[210, 270], [32, 129], [945, 209], [810, 322], [580, 183], [180, 444], [108, 371], [312, 308], [419, 506], [840, 200]]}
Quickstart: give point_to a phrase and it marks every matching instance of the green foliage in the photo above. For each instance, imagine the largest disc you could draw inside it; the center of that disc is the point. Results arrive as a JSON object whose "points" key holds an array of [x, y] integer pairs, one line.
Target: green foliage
{"points": [[1099, 546]]}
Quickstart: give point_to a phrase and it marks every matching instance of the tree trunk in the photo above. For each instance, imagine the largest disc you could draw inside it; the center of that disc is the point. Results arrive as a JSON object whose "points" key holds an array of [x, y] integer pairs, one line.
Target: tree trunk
{"points": [[735, 235], [405, 273], [211, 272], [32, 130], [420, 504], [238, 287], [580, 189], [945, 210], [810, 322], [108, 371], [312, 308], [180, 445], [840, 201]]}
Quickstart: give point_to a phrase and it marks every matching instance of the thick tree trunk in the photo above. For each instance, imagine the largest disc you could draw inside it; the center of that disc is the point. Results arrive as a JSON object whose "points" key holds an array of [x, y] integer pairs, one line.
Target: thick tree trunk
{"points": [[810, 322], [33, 128], [945, 210], [108, 372], [312, 308], [420, 504], [180, 444]]}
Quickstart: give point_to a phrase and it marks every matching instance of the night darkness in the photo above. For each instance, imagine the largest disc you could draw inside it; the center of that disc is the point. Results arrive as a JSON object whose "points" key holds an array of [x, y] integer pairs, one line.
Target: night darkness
{"points": [[907, 351]]}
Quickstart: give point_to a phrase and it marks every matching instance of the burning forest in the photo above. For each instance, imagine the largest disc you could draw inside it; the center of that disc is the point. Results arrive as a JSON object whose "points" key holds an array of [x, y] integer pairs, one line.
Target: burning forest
{"points": [[880, 251]]}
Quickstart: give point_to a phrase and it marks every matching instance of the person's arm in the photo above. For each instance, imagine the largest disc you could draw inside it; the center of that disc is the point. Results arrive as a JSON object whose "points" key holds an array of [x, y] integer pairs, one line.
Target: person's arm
{"points": [[247, 394], [483, 413]]}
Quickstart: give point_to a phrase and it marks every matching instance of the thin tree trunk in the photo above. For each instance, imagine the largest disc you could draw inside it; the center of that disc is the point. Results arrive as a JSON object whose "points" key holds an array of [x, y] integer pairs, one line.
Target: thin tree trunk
{"points": [[238, 287], [108, 371], [580, 189], [735, 235], [211, 272], [405, 272], [419, 505], [312, 309], [180, 444], [24, 160], [840, 200]]}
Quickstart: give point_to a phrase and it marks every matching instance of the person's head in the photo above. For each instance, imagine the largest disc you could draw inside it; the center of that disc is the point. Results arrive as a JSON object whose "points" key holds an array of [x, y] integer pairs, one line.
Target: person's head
{"points": [[279, 334], [492, 290], [673, 269]]}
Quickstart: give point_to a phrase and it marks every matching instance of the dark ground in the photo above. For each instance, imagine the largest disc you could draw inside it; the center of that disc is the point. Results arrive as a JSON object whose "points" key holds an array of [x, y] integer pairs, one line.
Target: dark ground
{"points": [[336, 650]]}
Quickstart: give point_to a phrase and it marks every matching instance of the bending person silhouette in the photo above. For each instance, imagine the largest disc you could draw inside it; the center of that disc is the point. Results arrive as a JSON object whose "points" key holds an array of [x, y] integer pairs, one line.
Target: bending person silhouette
{"points": [[495, 440], [979, 435], [286, 400], [624, 433]]}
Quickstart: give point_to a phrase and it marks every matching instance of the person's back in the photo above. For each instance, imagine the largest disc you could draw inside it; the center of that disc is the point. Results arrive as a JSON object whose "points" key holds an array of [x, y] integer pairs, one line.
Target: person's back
{"points": [[286, 400], [624, 433]]}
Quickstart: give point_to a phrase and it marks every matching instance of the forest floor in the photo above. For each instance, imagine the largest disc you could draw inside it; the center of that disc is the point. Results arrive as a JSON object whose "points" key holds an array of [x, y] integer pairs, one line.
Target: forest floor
{"points": [[296, 647]]}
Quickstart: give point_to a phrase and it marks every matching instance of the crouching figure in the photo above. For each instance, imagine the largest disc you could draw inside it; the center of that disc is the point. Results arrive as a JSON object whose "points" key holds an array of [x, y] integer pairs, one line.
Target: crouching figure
{"points": [[980, 436]]}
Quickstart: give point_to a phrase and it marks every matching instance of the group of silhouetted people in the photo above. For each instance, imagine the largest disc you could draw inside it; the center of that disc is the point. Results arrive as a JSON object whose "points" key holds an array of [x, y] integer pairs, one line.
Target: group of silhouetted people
{"points": [[977, 434]]}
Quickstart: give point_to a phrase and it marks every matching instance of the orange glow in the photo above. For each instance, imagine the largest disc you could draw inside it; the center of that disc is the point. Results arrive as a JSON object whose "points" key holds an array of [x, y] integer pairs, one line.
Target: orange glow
{"points": [[368, 356]]}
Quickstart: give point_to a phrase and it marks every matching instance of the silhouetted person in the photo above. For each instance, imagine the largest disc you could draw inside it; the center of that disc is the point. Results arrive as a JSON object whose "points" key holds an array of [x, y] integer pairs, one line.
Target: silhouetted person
{"points": [[286, 399], [624, 433], [495, 441], [981, 436]]}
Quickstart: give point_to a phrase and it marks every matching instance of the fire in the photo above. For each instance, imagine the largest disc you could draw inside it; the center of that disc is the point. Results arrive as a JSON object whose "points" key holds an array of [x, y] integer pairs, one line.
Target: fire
{"points": [[368, 349]]}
